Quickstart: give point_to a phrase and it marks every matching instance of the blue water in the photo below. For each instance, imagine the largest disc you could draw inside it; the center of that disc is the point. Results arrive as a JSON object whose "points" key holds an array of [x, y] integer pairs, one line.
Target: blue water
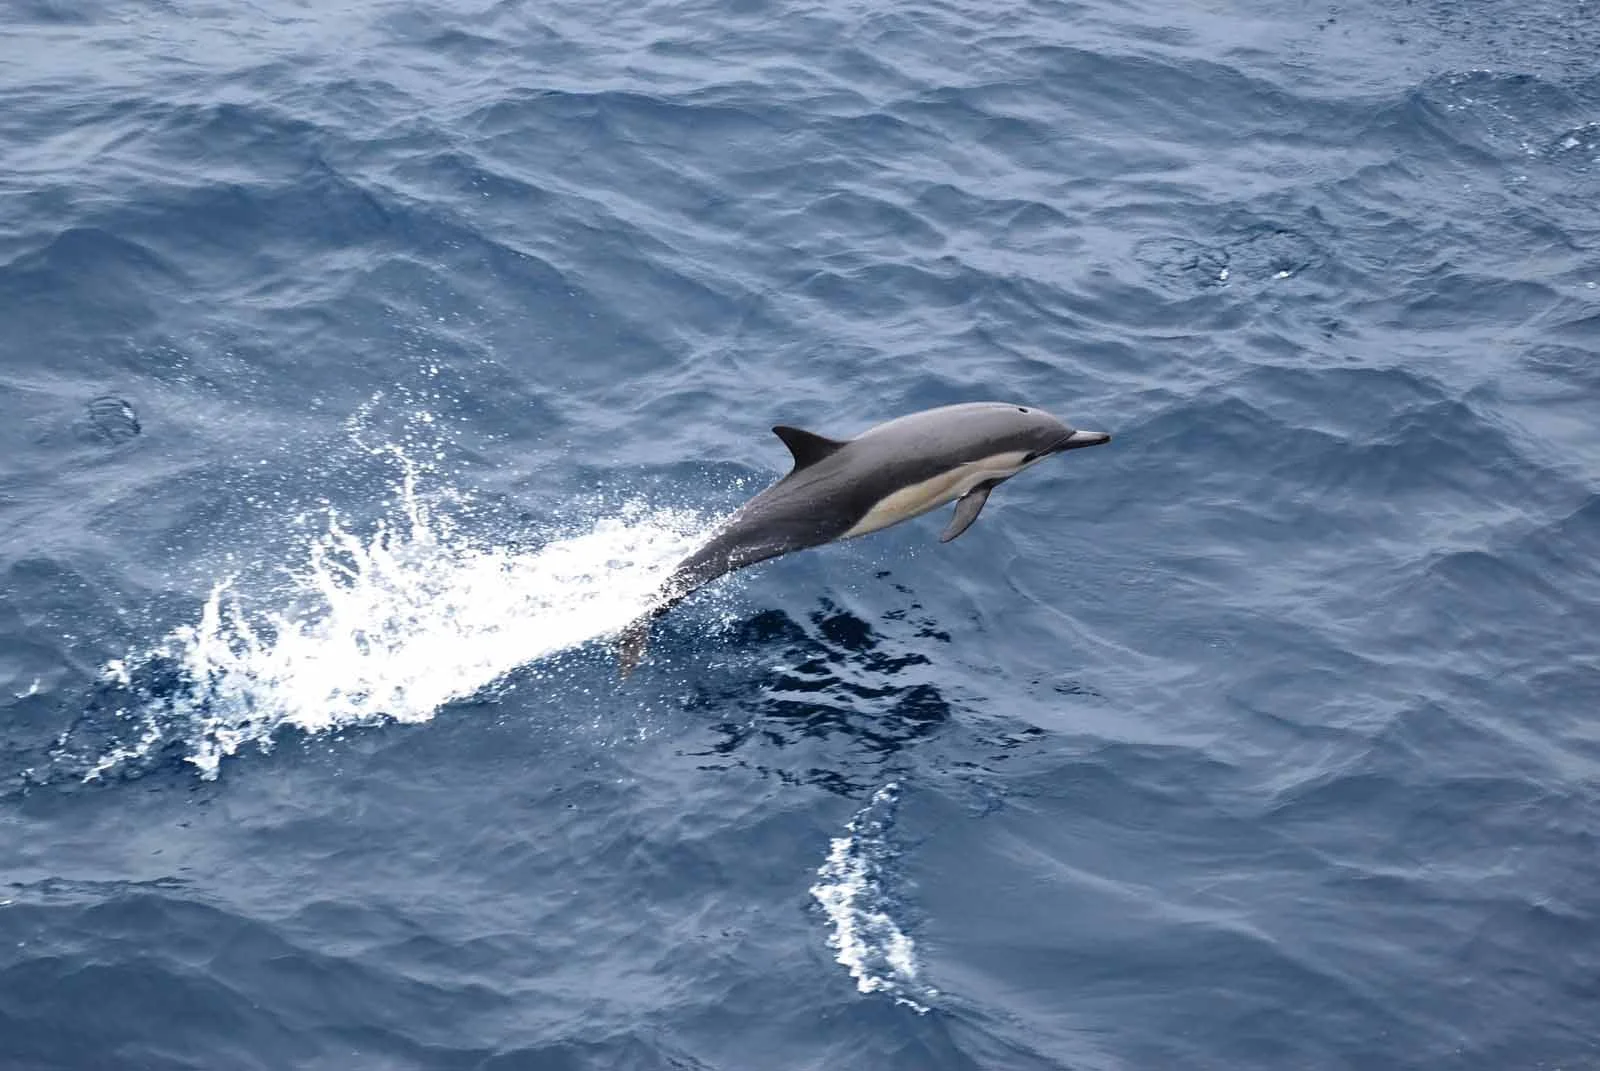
{"points": [[362, 364]]}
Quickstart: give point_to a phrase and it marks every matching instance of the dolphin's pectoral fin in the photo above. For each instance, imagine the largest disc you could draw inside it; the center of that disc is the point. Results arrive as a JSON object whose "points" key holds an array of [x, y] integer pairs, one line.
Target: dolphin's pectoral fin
{"points": [[967, 510], [632, 644], [807, 447]]}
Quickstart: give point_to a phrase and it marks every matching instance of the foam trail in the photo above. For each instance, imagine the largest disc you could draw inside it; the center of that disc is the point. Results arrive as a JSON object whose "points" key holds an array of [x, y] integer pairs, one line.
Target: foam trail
{"points": [[391, 627], [853, 887]]}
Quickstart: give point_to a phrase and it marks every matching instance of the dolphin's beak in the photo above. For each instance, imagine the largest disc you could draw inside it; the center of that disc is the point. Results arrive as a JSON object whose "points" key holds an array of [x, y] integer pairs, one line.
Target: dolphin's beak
{"points": [[1081, 438]]}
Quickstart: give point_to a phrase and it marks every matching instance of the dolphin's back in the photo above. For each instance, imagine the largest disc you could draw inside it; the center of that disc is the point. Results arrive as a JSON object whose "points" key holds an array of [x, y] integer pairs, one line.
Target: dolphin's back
{"points": [[797, 512]]}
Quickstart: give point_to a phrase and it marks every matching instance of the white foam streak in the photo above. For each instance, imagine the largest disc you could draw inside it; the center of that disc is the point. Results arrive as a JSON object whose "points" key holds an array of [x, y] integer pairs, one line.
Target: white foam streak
{"points": [[853, 887], [395, 625]]}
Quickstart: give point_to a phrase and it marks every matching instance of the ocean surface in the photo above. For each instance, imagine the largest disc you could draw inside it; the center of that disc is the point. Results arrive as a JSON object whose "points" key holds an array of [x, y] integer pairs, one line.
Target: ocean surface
{"points": [[364, 364]]}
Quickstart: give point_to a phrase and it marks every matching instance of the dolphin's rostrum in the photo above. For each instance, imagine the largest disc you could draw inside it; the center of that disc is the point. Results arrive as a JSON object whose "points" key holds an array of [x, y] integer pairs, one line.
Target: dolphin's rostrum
{"points": [[841, 488]]}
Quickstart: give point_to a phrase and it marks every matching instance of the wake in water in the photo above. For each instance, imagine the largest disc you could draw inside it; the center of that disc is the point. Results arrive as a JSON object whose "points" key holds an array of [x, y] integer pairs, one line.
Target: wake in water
{"points": [[855, 889], [387, 627]]}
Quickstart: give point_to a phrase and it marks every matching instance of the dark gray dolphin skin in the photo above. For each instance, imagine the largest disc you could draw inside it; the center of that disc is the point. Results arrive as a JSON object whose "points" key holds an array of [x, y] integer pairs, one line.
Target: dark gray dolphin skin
{"points": [[841, 488]]}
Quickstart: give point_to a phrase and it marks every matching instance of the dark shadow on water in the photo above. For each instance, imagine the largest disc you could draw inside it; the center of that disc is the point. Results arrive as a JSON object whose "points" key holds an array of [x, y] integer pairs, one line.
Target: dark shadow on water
{"points": [[839, 705]]}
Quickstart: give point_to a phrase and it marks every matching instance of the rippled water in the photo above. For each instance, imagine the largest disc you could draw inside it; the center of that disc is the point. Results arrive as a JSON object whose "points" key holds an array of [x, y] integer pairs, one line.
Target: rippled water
{"points": [[362, 366]]}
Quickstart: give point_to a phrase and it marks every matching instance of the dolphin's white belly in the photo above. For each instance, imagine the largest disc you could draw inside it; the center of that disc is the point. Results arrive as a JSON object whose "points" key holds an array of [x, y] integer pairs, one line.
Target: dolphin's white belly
{"points": [[919, 498]]}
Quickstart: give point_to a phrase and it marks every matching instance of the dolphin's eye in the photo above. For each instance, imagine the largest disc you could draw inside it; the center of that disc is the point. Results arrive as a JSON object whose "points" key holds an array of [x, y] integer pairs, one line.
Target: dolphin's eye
{"points": [[1021, 410], [1030, 458]]}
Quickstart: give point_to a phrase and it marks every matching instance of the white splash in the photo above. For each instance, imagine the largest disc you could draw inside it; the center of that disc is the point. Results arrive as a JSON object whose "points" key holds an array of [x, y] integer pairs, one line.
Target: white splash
{"points": [[392, 627], [853, 889]]}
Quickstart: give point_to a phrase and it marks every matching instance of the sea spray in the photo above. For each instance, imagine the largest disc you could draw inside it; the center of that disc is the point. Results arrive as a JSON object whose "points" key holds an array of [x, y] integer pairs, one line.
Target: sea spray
{"points": [[855, 887], [386, 626]]}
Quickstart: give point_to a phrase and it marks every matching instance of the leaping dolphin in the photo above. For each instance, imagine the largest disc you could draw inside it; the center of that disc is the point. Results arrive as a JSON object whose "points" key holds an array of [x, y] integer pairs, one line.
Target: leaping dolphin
{"points": [[841, 488]]}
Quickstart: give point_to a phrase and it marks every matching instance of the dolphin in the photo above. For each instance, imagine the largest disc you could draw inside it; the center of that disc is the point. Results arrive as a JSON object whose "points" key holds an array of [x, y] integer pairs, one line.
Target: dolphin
{"points": [[843, 488]]}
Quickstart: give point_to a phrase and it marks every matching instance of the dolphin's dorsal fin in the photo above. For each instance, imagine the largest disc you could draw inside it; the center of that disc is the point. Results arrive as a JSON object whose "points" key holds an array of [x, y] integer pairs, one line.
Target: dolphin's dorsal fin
{"points": [[807, 447]]}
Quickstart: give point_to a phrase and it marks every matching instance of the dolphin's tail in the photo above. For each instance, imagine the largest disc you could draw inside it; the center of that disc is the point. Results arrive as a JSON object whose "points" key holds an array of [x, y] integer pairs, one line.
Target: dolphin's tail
{"points": [[634, 641], [632, 644]]}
